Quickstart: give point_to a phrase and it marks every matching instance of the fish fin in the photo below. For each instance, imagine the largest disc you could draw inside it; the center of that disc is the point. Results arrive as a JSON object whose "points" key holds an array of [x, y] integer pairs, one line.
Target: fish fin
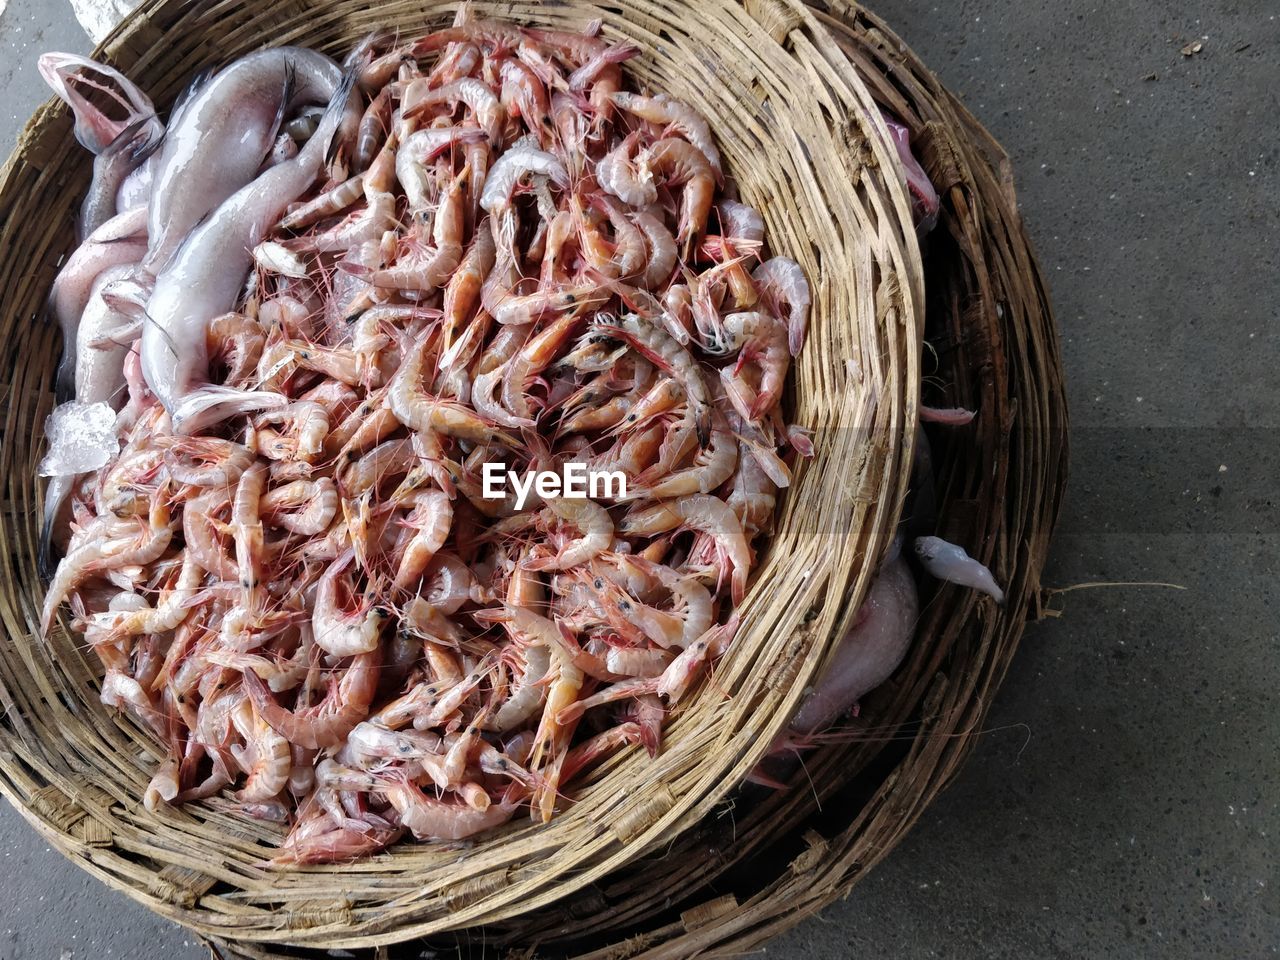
{"points": [[64, 389], [210, 404], [193, 87], [55, 495], [286, 95], [139, 139], [331, 124], [122, 336]]}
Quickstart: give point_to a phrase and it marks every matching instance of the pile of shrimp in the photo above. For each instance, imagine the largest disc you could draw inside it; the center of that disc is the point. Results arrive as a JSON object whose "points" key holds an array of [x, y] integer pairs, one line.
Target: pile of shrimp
{"points": [[306, 596]]}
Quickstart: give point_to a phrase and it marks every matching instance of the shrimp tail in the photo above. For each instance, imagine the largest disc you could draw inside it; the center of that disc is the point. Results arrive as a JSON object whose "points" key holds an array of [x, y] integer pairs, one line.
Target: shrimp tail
{"points": [[796, 330], [211, 403], [760, 406]]}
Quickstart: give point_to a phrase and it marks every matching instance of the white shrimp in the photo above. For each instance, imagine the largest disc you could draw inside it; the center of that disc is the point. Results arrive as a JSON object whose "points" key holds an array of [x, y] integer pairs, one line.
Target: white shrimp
{"points": [[782, 283], [344, 634], [591, 519], [706, 514], [618, 174], [676, 115]]}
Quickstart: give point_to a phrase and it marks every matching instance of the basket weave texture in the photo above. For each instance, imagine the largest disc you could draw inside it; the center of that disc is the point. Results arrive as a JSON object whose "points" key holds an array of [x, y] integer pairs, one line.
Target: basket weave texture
{"points": [[793, 94]]}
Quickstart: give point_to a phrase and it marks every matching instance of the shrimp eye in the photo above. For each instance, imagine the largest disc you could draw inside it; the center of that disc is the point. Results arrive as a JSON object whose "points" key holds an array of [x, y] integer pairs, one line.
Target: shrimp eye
{"points": [[624, 605], [599, 583]]}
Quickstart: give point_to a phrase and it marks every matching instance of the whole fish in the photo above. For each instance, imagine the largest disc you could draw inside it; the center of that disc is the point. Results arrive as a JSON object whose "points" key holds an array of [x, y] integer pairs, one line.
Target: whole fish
{"points": [[206, 276], [121, 240], [102, 342], [219, 137], [869, 652], [101, 346], [948, 562]]}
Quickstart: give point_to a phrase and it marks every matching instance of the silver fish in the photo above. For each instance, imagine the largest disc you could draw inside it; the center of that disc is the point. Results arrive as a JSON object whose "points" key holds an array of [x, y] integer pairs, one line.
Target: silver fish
{"points": [[99, 378], [135, 189], [869, 652], [206, 275], [121, 240], [948, 562], [221, 134]]}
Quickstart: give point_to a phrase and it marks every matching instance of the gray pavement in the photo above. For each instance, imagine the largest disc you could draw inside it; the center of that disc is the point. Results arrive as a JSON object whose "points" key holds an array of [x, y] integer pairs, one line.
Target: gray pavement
{"points": [[1124, 801]]}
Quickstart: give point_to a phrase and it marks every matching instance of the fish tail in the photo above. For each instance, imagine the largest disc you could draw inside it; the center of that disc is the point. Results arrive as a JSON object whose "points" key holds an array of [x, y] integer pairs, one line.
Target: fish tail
{"points": [[210, 404], [55, 496]]}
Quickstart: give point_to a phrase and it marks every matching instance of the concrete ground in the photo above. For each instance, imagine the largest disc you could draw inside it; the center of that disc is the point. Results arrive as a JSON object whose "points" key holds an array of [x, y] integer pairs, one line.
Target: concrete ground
{"points": [[1124, 800]]}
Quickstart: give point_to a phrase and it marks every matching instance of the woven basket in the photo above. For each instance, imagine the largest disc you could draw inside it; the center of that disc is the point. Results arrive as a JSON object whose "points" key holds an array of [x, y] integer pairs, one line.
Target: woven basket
{"points": [[762, 862], [804, 141], [794, 122]]}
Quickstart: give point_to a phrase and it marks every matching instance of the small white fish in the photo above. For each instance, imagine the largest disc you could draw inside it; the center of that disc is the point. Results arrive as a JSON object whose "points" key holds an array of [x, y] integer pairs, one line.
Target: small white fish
{"points": [[948, 562], [948, 416]]}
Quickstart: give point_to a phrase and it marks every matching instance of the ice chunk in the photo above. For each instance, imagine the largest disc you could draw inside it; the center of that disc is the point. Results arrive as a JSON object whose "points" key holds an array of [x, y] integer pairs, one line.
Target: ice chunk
{"points": [[82, 437]]}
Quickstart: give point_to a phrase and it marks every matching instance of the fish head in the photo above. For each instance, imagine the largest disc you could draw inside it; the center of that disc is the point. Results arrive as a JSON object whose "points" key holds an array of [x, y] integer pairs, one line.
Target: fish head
{"points": [[75, 78]]}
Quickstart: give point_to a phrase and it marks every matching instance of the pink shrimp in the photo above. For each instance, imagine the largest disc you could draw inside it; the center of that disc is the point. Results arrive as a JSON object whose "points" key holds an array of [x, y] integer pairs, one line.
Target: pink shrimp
{"points": [[591, 519], [431, 819], [431, 520], [328, 722], [619, 174], [462, 294], [680, 163], [782, 283], [675, 115], [705, 514], [478, 97], [304, 507], [420, 411], [524, 95], [265, 756], [761, 340], [339, 632], [426, 268]]}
